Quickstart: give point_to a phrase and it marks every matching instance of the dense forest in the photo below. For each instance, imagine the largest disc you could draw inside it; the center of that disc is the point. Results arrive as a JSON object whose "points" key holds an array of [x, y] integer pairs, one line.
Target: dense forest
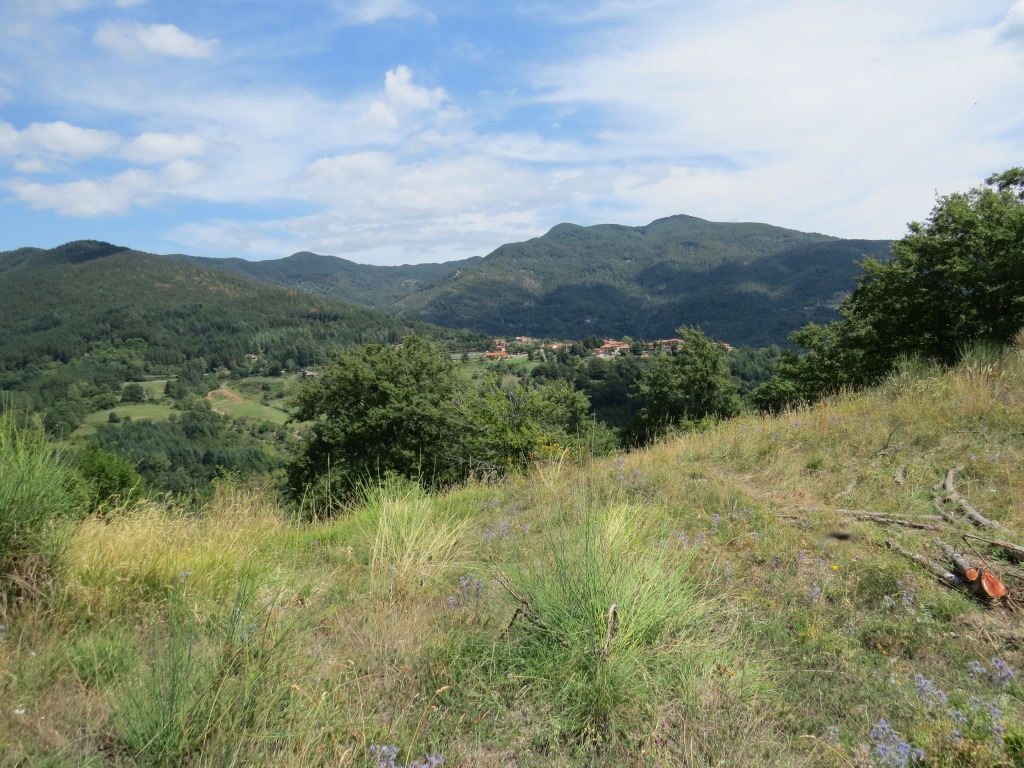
{"points": [[78, 321], [748, 284]]}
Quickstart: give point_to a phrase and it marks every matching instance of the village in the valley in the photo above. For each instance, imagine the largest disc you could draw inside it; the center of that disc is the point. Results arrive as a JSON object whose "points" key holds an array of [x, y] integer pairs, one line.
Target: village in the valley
{"points": [[524, 346]]}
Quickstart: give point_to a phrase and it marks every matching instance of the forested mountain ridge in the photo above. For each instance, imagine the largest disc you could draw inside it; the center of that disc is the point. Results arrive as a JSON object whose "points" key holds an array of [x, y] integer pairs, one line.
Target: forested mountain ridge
{"points": [[745, 283], [54, 303], [338, 278]]}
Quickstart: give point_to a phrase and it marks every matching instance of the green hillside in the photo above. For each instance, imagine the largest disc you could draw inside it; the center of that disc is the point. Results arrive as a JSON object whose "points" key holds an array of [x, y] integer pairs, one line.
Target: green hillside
{"points": [[746, 283], [78, 320], [54, 303], [338, 278]]}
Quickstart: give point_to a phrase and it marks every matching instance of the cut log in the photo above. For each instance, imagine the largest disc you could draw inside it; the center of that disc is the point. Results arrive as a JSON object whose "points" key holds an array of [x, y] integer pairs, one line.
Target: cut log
{"points": [[960, 565], [991, 587], [985, 586]]}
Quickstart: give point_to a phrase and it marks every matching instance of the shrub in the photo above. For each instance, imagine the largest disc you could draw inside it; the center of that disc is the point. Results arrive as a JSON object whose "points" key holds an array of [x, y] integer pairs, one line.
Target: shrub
{"points": [[38, 487]]}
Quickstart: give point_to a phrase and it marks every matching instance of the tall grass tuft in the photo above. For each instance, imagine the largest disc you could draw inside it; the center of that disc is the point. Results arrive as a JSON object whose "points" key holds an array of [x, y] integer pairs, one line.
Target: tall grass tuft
{"points": [[38, 488], [409, 537], [219, 697], [600, 606]]}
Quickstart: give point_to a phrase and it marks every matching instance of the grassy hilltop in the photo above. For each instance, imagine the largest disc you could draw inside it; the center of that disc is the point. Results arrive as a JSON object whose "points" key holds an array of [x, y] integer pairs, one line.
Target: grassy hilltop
{"points": [[702, 602]]}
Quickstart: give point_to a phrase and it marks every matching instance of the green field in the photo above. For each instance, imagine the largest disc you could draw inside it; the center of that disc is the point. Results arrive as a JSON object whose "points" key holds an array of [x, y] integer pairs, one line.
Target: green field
{"points": [[241, 400], [135, 411], [230, 402], [521, 366]]}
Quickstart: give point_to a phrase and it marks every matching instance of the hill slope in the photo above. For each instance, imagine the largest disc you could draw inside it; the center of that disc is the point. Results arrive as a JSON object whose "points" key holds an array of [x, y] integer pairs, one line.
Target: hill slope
{"points": [[744, 283], [55, 303], [703, 602], [338, 278]]}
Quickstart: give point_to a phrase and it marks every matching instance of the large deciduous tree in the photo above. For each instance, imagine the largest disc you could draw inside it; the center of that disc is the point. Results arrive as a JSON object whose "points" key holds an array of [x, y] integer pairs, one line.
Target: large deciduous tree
{"points": [[953, 280], [686, 387], [380, 409]]}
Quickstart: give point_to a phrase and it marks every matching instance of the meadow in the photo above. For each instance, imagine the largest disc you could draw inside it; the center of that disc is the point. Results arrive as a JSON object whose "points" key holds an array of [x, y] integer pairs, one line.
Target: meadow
{"points": [[718, 599]]}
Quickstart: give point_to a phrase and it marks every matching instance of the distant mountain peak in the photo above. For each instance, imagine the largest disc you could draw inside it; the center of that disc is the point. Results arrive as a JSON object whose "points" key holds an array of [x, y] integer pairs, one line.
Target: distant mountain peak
{"points": [[80, 251]]}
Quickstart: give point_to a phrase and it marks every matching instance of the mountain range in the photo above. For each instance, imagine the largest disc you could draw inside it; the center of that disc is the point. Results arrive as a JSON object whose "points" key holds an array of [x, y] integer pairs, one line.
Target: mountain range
{"points": [[748, 284]]}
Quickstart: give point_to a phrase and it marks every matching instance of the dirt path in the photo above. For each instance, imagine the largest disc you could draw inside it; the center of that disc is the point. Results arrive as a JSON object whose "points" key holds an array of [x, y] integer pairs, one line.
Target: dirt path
{"points": [[226, 394]]}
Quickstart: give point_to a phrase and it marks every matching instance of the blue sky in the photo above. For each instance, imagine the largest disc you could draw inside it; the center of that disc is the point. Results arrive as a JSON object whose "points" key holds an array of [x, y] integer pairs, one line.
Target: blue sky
{"points": [[401, 131]]}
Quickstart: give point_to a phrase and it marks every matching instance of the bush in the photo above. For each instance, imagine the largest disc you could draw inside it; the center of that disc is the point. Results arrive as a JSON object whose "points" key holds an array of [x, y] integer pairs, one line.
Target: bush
{"points": [[110, 478], [37, 488]]}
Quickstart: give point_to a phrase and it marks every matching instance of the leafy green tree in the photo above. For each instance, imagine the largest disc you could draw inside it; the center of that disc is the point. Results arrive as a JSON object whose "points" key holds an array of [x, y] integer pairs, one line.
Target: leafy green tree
{"points": [[682, 389], [133, 393], [953, 280], [109, 477], [508, 421], [380, 409]]}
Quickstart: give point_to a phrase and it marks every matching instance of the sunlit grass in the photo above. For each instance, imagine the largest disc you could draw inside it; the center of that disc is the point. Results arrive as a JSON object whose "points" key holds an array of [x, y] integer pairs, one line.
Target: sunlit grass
{"points": [[132, 557]]}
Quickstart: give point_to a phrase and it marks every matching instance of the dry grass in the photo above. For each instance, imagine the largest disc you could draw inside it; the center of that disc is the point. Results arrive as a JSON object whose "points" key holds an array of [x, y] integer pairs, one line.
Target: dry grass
{"points": [[132, 557]]}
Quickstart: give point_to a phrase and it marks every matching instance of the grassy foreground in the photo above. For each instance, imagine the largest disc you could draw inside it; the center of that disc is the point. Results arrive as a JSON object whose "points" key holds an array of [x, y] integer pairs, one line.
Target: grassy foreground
{"points": [[700, 603]]}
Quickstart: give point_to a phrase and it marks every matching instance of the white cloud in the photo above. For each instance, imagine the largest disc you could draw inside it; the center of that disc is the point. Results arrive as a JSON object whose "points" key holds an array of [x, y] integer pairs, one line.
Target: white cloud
{"points": [[358, 12], [90, 197], [1012, 27], [130, 37], [401, 99], [163, 147], [34, 165], [112, 196], [796, 114], [59, 138]]}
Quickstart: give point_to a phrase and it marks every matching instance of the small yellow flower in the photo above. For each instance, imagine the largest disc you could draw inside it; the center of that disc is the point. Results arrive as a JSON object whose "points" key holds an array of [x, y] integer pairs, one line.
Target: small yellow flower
{"points": [[835, 567]]}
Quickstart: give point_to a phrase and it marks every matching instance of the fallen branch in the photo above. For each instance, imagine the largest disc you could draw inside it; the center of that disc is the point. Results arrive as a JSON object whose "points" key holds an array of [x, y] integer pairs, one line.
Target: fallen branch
{"points": [[946, 577], [960, 565], [885, 449], [949, 486], [525, 609], [1015, 551], [886, 520]]}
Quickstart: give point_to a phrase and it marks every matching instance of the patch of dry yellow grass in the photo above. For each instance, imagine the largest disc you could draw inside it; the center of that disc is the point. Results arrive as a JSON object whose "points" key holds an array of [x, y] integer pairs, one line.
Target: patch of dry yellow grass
{"points": [[134, 556]]}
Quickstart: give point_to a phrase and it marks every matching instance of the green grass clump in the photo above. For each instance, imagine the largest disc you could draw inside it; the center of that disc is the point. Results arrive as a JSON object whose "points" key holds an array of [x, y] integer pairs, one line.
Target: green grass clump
{"points": [[610, 612], [38, 489], [217, 697], [409, 537]]}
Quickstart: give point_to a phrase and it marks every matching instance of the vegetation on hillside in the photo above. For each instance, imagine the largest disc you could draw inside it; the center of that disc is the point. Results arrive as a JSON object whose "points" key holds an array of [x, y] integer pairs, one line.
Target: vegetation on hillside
{"points": [[406, 411], [704, 601], [955, 280], [337, 278], [78, 321], [748, 284]]}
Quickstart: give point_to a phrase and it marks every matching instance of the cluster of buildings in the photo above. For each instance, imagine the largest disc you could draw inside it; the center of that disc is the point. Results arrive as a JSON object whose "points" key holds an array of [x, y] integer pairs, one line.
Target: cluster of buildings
{"points": [[610, 347]]}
